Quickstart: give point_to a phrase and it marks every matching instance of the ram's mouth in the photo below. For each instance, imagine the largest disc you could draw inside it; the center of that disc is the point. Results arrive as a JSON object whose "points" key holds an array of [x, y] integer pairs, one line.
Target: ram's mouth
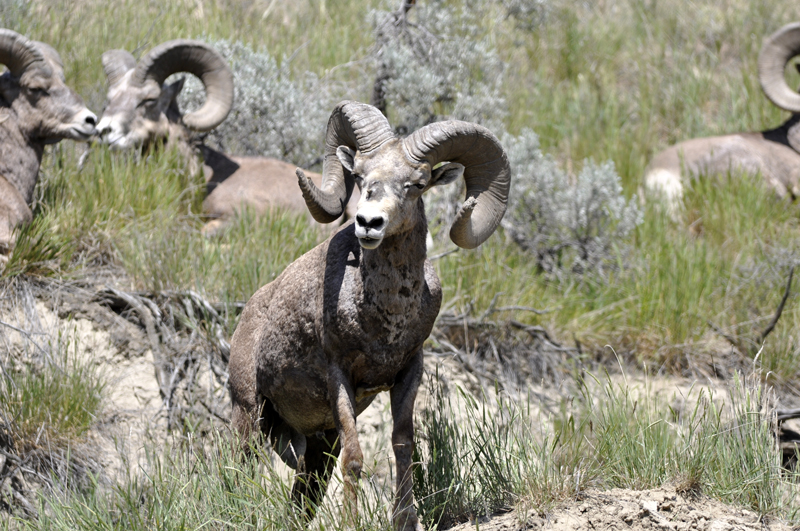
{"points": [[369, 243], [79, 133]]}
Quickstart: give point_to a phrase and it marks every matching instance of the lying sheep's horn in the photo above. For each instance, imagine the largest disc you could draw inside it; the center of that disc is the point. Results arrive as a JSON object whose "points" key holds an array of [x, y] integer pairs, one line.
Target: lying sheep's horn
{"points": [[116, 63], [201, 60], [486, 172], [355, 125], [779, 48], [18, 52]]}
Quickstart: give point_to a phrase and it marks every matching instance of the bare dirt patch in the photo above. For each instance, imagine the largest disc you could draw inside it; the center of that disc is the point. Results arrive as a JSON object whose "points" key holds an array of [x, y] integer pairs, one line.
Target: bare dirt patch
{"points": [[618, 509]]}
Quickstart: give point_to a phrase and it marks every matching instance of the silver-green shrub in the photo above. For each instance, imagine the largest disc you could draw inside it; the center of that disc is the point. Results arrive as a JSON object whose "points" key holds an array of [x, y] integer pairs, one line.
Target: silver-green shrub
{"points": [[273, 114], [571, 224], [438, 63]]}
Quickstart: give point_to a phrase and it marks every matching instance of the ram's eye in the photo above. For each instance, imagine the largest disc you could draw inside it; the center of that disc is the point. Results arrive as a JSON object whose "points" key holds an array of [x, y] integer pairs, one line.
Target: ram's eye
{"points": [[418, 185]]}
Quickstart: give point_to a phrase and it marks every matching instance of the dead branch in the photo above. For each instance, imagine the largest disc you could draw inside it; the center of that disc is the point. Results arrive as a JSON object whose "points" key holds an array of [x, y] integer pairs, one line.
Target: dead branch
{"points": [[27, 335], [786, 414], [779, 311], [538, 332], [751, 345], [728, 338], [443, 254]]}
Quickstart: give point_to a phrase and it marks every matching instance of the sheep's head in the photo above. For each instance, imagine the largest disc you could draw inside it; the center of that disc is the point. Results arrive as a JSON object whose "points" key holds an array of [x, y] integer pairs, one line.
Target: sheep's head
{"points": [[34, 86], [140, 107], [393, 173]]}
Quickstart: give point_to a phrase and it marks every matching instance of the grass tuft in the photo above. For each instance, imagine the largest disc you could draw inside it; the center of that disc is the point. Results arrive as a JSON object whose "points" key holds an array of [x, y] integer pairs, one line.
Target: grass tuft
{"points": [[52, 406]]}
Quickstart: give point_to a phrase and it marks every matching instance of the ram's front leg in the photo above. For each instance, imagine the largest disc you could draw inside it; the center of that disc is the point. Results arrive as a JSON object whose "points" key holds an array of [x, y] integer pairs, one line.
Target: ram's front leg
{"points": [[344, 414], [403, 395]]}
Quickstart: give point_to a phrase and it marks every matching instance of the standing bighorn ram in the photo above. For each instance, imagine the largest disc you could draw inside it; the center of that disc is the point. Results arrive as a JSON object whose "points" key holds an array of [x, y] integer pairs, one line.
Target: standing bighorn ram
{"points": [[36, 108], [775, 153], [141, 110], [347, 320]]}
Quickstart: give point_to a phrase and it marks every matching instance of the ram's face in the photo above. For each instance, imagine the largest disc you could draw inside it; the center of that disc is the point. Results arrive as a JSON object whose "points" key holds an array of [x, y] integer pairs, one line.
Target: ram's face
{"points": [[135, 115], [52, 111], [390, 188]]}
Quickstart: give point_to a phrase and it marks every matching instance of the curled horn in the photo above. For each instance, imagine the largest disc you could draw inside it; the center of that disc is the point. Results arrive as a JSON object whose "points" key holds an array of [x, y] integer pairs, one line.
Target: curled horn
{"points": [[116, 63], [355, 125], [196, 58], [778, 49], [486, 172], [18, 52]]}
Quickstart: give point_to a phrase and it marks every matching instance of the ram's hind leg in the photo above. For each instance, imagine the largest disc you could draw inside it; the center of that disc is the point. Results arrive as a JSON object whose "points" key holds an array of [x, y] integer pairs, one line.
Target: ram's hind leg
{"points": [[317, 463]]}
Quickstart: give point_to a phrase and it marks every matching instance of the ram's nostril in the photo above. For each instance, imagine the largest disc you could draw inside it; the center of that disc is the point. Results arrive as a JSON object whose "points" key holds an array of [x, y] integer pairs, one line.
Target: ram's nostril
{"points": [[91, 119], [371, 223], [375, 223]]}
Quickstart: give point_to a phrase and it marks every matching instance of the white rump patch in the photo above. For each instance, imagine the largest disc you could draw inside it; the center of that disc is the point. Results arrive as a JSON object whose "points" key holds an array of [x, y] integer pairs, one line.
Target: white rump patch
{"points": [[667, 184]]}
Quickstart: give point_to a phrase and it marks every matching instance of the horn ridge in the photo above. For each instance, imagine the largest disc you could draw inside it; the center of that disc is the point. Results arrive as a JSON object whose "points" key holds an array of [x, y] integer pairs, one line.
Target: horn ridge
{"points": [[200, 59], [487, 174], [778, 49], [358, 126], [18, 52]]}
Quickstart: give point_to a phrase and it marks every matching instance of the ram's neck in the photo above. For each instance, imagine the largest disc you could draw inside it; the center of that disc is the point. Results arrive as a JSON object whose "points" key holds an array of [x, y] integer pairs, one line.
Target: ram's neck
{"points": [[394, 274], [788, 133], [20, 157]]}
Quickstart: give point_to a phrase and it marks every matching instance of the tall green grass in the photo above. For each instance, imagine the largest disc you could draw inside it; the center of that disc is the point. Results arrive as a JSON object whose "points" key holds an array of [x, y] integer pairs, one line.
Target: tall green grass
{"points": [[51, 407], [610, 435], [316, 34], [188, 485], [145, 215]]}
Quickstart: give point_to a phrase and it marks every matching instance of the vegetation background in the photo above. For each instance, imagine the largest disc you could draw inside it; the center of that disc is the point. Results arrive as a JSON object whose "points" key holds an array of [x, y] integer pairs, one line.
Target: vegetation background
{"points": [[583, 94]]}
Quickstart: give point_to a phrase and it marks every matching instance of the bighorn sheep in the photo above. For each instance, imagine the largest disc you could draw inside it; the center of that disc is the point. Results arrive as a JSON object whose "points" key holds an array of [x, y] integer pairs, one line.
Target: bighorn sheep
{"points": [[775, 153], [347, 320], [141, 110], [36, 108]]}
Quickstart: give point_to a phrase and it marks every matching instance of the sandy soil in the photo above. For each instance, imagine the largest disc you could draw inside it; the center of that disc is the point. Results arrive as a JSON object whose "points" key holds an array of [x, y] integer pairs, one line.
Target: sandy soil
{"points": [[631, 510]]}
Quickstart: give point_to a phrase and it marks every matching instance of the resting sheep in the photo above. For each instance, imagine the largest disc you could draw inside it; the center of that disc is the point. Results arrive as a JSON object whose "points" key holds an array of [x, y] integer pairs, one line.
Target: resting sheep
{"points": [[36, 108], [141, 111], [347, 320], [775, 154]]}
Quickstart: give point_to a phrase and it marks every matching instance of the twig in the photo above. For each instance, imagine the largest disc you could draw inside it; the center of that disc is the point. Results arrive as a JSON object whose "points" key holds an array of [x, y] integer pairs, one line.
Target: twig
{"points": [[786, 414], [26, 334], [214, 413], [758, 340], [442, 255], [719, 330], [521, 309], [539, 332], [779, 311]]}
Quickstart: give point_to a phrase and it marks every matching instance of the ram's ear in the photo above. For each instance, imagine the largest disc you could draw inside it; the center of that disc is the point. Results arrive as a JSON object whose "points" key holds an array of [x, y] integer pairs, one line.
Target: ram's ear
{"points": [[446, 173], [346, 156], [169, 93]]}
